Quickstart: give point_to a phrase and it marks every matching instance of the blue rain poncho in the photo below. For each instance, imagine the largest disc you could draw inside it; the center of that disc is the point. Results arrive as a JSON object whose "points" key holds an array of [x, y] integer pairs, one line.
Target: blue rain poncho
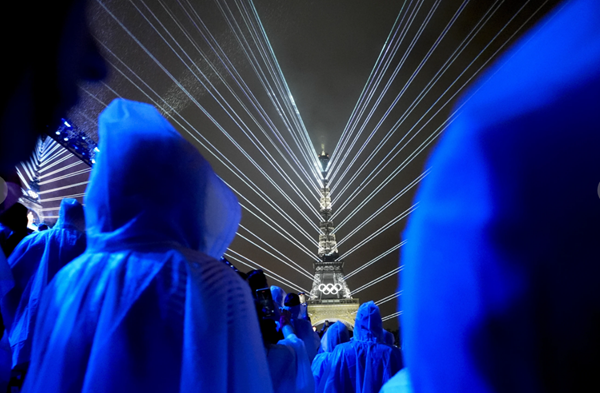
{"points": [[336, 334], [305, 332], [6, 278], [500, 285], [399, 383], [304, 380], [363, 364], [388, 338], [148, 307], [33, 264], [283, 367]]}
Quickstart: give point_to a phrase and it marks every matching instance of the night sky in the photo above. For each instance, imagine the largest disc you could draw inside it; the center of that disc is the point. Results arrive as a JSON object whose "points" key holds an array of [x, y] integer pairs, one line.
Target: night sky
{"points": [[209, 69]]}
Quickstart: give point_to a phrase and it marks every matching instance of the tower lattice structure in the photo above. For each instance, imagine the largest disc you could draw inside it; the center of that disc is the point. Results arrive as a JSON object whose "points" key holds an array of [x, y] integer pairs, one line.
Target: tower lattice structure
{"points": [[330, 296]]}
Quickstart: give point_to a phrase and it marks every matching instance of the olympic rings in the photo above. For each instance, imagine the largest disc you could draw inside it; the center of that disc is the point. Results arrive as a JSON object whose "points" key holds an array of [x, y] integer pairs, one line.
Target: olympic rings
{"points": [[328, 289]]}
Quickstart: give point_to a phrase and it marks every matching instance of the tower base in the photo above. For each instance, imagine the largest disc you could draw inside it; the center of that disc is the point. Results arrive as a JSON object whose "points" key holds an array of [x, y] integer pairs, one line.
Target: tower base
{"points": [[332, 310]]}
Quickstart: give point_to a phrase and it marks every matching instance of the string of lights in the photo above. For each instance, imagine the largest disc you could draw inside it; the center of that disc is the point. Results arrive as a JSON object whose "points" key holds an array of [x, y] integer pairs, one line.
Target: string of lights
{"points": [[70, 174], [262, 113], [261, 39], [390, 80], [269, 273], [455, 55], [390, 50], [83, 183], [404, 88], [216, 95], [391, 316], [308, 151], [65, 156], [246, 131], [388, 298], [378, 232], [376, 259], [282, 232], [291, 263], [427, 89], [403, 165], [378, 280], [434, 135], [381, 208], [234, 74], [61, 169]]}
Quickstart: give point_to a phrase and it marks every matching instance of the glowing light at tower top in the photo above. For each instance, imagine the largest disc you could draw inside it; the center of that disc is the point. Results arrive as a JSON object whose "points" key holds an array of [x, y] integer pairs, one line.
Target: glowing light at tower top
{"points": [[324, 160]]}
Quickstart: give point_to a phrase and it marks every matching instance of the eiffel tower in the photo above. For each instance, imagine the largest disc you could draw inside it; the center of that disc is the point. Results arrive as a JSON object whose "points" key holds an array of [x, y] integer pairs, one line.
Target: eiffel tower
{"points": [[330, 298]]}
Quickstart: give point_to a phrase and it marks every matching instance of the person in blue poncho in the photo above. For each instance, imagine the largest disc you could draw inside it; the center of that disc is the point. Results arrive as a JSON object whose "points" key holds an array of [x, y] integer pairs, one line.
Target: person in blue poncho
{"points": [[336, 334], [363, 364], [148, 307], [501, 282], [33, 264], [302, 327]]}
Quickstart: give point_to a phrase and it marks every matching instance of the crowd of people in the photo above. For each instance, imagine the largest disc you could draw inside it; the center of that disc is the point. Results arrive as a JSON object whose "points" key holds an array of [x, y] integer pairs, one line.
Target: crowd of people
{"points": [[130, 293]]}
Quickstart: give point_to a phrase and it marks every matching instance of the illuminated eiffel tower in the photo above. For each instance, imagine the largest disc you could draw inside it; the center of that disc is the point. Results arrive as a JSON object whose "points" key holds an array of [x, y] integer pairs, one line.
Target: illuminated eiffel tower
{"points": [[330, 297]]}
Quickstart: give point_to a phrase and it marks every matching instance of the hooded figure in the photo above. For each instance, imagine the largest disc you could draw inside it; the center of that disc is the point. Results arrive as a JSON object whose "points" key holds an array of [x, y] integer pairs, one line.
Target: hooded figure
{"points": [[388, 338], [336, 334], [304, 382], [148, 307], [500, 286], [364, 364], [302, 327], [34, 263]]}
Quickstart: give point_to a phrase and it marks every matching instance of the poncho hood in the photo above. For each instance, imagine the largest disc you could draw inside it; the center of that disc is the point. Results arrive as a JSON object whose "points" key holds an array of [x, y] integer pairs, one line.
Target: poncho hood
{"points": [[336, 334], [132, 200], [368, 325], [71, 215]]}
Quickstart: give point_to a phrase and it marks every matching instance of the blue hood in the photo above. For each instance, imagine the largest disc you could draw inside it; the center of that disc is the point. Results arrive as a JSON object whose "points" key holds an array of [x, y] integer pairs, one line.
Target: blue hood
{"points": [[132, 200]]}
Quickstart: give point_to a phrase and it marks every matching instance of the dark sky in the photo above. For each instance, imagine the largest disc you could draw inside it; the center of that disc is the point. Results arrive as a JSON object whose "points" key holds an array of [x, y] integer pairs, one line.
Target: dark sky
{"points": [[160, 51]]}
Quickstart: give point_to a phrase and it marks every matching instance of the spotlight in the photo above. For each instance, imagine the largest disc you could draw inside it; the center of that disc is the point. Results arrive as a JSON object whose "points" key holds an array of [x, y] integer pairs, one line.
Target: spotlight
{"points": [[32, 194]]}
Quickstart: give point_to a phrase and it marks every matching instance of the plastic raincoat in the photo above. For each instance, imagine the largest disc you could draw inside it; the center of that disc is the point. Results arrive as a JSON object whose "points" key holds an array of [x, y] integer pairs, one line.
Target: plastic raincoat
{"points": [[364, 364], [500, 286], [304, 380], [400, 383], [336, 334], [148, 307], [33, 264], [388, 338], [283, 367]]}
